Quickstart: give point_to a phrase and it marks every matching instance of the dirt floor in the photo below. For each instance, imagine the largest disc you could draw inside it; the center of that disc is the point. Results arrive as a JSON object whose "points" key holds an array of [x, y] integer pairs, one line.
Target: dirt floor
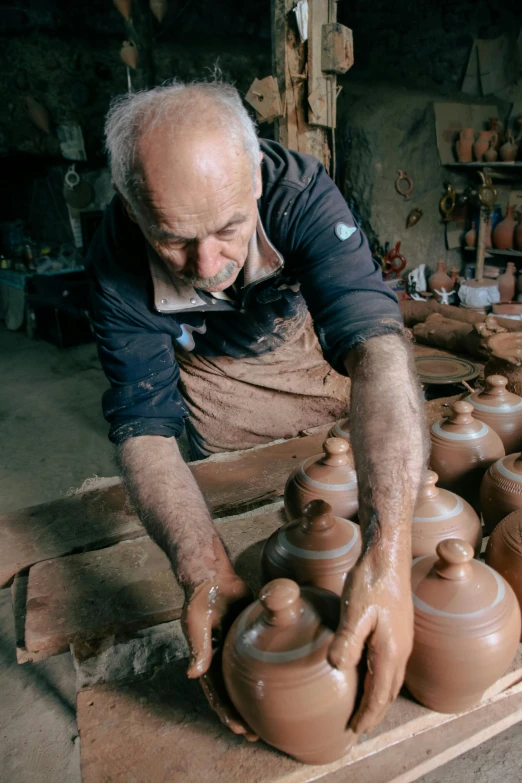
{"points": [[53, 437]]}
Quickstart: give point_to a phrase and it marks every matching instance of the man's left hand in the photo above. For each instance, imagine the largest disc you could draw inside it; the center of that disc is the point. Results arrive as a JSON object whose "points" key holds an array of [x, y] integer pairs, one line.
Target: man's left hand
{"points": [[376, 612]]}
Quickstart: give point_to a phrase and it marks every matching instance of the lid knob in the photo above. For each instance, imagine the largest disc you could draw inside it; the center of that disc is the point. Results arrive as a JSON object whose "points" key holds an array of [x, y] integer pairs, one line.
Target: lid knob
{"points": [[496, 385], [318, 517], [280, 600], [336, 451], [461, 413], [429, 489], [454, 559]]}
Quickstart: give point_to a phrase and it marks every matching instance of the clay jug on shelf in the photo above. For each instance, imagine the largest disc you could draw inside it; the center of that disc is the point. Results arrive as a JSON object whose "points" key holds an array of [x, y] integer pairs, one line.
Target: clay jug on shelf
{"points": [[329, 476], [504, 233], [499, 409], [505, 358], [481, 144], [440, 280], [470, 237], [507, 283], [504, 552], [501, 490], [440, 514], [466, 628], [518, 232], [462, 449], [497, 129], [318, 549], [341, 429], [464, 145], [491, 154], [278, 677], [508, 151]]}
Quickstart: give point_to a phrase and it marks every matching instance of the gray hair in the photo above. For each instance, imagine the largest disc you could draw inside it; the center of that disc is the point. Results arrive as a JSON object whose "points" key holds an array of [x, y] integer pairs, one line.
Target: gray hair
{"points": [[181, 105]]}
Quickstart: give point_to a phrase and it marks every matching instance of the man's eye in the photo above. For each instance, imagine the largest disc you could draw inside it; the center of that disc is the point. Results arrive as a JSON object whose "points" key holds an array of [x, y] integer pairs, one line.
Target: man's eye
{"points": [[227, 233]]}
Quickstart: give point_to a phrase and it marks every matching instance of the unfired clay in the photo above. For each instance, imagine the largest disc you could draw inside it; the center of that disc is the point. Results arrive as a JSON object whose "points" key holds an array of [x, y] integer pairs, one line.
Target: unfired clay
{"points": [[504, 552], [505, 352], [466, 628], [501, 490], [501, 410], [330, 476], [440, 514], [341, 429], [278, 677], [317, 549], [462, 449]]}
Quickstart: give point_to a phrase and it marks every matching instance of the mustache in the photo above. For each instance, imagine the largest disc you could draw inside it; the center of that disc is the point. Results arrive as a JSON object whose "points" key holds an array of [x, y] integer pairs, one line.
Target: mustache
{"points": [[203, 283]]}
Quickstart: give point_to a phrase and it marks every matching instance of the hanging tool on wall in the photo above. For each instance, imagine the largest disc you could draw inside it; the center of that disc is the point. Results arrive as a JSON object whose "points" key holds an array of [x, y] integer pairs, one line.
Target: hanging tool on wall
{"points": [[404, 184], [447, 202]]}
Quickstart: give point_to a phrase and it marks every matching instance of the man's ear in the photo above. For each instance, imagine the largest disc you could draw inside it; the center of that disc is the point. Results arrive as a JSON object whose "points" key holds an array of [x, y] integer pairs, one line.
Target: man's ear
{"points": [[130, 211]]}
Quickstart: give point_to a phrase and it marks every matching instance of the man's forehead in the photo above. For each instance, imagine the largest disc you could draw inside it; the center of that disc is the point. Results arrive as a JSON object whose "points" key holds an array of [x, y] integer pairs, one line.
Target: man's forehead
{"points": [[160, 232]]}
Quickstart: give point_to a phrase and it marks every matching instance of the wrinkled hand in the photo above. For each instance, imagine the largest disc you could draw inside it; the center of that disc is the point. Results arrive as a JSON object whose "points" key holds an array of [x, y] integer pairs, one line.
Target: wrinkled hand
{"points": [[209, 611], [376, 612]]}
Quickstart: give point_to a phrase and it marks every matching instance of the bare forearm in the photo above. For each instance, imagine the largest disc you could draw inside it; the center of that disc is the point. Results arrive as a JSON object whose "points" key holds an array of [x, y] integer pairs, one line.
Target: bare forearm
{"points": [[172, 508], [388, 438]]}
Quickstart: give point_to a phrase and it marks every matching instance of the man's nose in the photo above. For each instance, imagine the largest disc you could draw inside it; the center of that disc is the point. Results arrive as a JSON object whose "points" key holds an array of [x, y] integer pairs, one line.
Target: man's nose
{"points": [[205, 257]]}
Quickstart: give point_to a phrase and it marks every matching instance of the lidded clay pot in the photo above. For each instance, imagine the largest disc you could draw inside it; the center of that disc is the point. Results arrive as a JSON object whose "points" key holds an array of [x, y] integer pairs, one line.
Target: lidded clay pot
{"points": [[501, 410], [504, 552], [440, 514], [501, 490], [341, 429], [329, 476], [466, 628], [318, 549], [278, 677], [462, 449]]}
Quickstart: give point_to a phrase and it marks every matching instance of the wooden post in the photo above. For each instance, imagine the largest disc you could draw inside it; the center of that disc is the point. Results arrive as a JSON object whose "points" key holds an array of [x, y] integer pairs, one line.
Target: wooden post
{"points": [[481, 243]]}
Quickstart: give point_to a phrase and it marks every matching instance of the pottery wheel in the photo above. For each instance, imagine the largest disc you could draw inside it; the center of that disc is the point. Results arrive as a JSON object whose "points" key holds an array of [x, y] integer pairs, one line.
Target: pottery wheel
{"points": [[444, 369]]}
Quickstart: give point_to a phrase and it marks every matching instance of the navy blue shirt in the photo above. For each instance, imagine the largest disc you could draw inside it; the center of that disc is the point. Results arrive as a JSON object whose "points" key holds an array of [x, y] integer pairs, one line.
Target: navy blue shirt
{"points": [[310, 255]]}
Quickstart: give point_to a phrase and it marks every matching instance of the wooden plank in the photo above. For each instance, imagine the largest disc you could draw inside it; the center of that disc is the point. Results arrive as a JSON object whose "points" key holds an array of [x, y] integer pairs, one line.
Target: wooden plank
{"points": [[125, 587], [148, 730], [231, 483], [322, 87]]}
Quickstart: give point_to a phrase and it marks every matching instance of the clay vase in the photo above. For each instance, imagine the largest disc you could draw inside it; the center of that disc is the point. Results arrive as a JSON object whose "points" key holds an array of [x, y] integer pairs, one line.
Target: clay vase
{"points": [[504, 233], [159, 9], [501, 490], [501, 410], [470, 238], [124, 7], [318, 549], [481, 144], [440, 280], [341, 429], [466, 628], [497, 129], [329, 476], [508, 151], [507, 283], [491, 154], [464, 145], [518, 232], [278, 677], [440, 514], [462, 449], [504, 552], [505, 352]]}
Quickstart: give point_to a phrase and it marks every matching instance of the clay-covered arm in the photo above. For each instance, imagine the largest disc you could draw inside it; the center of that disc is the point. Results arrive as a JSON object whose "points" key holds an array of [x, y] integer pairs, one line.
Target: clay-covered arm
{"points": [[388, 439]]}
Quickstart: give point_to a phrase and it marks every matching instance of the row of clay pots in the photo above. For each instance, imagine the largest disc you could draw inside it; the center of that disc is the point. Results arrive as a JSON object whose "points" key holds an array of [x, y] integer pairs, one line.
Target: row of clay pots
{"points": [[485, 147], [507, 234]]}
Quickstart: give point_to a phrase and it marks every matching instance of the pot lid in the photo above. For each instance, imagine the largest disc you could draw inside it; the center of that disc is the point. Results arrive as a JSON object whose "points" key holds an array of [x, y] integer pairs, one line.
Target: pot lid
{"points": [[454, 585], [510, 467], [460, 424], [341, 429], [435, 504], [510, 530], [495, 397], [286, 623], [318, 535], [334, 469]]}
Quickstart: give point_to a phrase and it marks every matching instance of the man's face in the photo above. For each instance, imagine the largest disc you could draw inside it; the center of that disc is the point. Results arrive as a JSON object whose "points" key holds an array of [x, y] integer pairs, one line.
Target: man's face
{"points": [[199, 207]]}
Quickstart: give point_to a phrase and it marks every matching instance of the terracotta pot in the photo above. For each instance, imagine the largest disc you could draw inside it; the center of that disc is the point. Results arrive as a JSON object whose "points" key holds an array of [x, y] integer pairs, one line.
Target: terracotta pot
{"points": [[330, 476], [129, 54], [462, 449], [481, 144], [491, 154], [159, 9], [518, 235], [440, 514], [504, 233], [504, 552], [497, 129], [501, 490], [440, 280], [507, 283], [341, 429], [470, 238], [124, 7], [318, 549], [278, 677], [509, 149], [466, 628], [505, 351], [501, 410], [464, 145]]}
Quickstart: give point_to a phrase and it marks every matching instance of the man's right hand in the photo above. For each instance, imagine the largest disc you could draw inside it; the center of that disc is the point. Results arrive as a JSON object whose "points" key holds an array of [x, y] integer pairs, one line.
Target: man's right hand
{"points": [[209, 611]]}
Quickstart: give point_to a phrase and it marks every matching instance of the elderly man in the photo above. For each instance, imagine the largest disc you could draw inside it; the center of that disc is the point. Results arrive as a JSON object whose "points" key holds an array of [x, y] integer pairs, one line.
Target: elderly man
{"points": [[234, 292]]}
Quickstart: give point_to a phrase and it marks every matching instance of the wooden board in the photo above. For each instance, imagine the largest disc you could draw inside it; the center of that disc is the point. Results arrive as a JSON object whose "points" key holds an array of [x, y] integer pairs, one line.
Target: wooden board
{"points": [[124, 587], [149, 730]]}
